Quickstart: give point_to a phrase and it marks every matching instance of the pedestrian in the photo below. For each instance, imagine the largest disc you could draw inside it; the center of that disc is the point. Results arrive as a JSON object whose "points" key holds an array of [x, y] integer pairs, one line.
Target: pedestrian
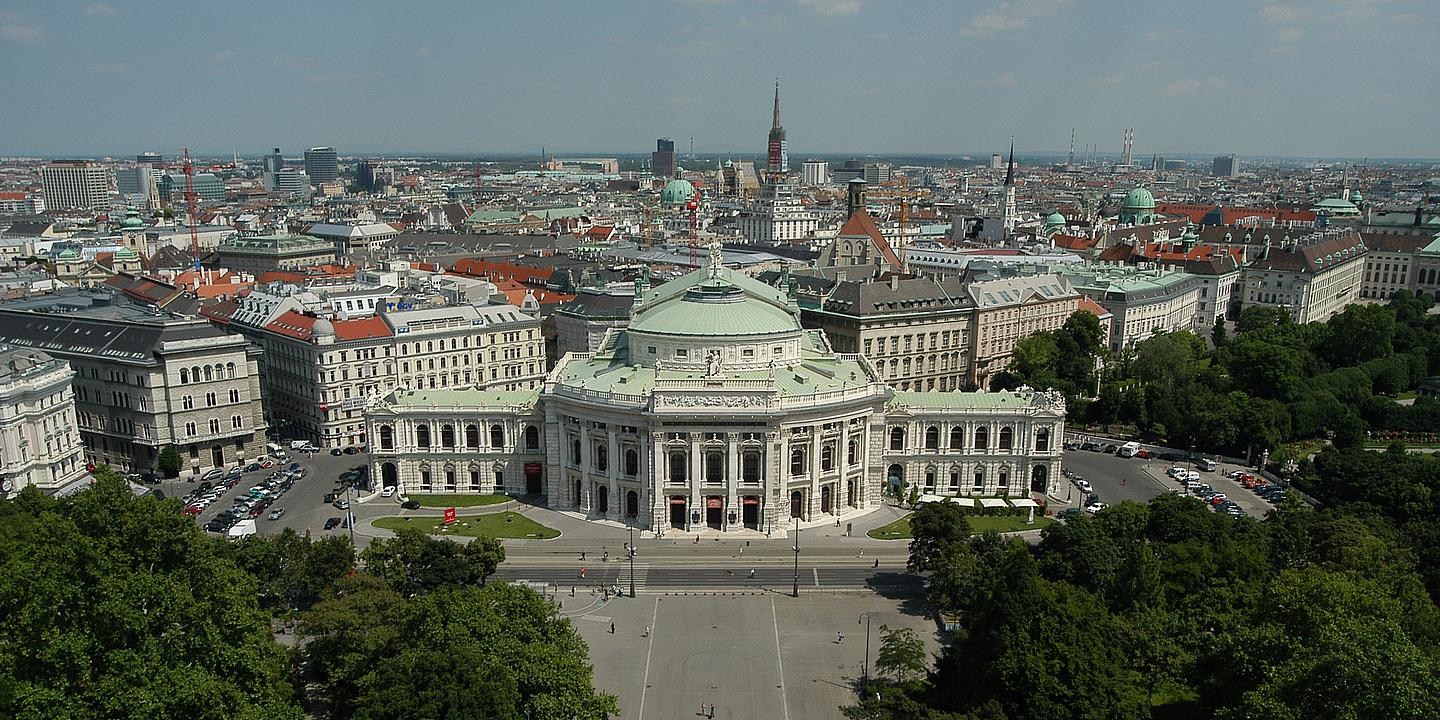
{"points": [[572, 591], [612, 628], [697, 539], [582, 556], [877, 562], [606, 557], [647, 631], [839, 638], [862, 552], [582, 573], [712, 710], [1123, 481], [742, 551], [752, 572]]}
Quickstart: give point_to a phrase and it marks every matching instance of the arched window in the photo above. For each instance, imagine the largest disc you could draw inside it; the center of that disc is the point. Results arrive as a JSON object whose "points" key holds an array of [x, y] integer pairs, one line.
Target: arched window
{"points": [[1007, 437], [574, 451], [932, 438], [422, 436], [387, 437], [497, 436], [184, 376], [600, 456], [797, 461], [750, 467], [472, 436], [447, 435], [677, 466], [532, 439], [714, 466], [209, 374], [195, 373], [230, 370], [982, 438], [632, 460], [1042, 440], [897, 438], [852, 452], [957, 438]]}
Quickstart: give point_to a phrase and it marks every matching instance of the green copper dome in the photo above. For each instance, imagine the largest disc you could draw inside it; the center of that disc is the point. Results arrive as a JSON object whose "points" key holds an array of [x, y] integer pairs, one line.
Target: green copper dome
{"points": [[1055, 220], [132, 220], [1139, 199], [677, 192], [714, 309]]}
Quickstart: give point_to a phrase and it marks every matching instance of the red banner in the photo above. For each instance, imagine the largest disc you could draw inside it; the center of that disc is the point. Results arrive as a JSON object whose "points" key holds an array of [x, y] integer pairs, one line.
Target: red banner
{"points": [[714, 503], [449, 516], [532, 467]]}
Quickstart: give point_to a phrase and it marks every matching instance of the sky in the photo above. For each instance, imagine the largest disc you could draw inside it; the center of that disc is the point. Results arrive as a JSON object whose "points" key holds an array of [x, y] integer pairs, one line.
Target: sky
{"points": [[1302, 78]]}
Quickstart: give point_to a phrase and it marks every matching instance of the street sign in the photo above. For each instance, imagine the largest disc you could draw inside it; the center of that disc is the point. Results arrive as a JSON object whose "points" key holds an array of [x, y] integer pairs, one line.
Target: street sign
{"points": [[450, 516]]}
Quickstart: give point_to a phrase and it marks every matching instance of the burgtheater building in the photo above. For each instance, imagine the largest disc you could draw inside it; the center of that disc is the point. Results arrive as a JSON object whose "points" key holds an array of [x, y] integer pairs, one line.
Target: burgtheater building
{"points": [[714, 408]]}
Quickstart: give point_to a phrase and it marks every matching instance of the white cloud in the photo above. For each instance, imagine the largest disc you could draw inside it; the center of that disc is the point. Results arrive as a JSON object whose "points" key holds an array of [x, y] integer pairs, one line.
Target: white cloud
{"points": [[1012, 15], [1288, 35], [831, 8], [764, 23], [1190, 87], [1111, 80], [423, 51], [107, 68], [1280, 14], [219, 57], [15, 29], [1006, 79], [100, 8], [1157, 35]]}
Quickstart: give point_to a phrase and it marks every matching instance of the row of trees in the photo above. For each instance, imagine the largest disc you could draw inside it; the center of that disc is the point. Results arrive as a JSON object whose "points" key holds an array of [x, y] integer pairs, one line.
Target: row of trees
{"points": [[1273, 381], [1169, 610], [117, 606]]}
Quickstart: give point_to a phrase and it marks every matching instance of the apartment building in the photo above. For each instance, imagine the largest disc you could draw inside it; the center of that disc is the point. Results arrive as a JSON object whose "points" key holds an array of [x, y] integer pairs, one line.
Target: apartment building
{"points": [[1312, 277], [1391, 264], [1143, 301], [39, 442], [145, 380], [321, 371], [1009, 310]]}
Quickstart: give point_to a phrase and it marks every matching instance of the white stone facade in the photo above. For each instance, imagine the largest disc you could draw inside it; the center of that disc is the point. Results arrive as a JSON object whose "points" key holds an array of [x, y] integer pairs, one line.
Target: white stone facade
{"points": [[39, 442]]}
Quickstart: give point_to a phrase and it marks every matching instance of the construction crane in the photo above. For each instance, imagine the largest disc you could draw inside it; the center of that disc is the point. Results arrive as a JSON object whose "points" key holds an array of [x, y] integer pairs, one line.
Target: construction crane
{"points": [[904, 215], [190, 207], [693, 206]]}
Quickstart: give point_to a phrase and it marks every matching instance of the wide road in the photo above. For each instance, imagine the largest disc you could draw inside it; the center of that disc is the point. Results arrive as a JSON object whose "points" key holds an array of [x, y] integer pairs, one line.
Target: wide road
{"points": [[771, 576]]}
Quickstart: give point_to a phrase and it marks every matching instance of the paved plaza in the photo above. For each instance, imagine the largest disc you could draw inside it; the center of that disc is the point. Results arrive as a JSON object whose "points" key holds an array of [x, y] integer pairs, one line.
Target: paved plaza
{"points": [[751, 655]]}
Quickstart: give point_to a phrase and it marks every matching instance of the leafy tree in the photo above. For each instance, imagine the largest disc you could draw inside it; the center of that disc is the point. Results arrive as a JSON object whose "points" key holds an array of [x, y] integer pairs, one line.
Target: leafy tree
{"points": [[169, 461], [1260, 319], [472, 684], [936, 530], [117, 606], [294, 572], [412, 562], [902, 655], [1218, 332], [1360, 333]]}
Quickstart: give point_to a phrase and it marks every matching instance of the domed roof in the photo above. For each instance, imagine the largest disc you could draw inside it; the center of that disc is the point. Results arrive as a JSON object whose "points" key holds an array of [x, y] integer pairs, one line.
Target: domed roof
{"points": [[1139, 199], [132, 220], [322, 327], [1356, 198], [677, 192], [714, 308], [1055, 219]]}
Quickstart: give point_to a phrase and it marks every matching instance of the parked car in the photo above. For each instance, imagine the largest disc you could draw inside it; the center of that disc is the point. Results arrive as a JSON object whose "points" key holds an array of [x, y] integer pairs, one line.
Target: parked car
{"points": [[252, 467], [351, 449], [294, 466], [275, 514], [1069, 514], [341, 504], [1094, 508], [337, 452], [1084, 485], [411, 504], [330, 497], [332, 523], [213, 474], [389, 491]]}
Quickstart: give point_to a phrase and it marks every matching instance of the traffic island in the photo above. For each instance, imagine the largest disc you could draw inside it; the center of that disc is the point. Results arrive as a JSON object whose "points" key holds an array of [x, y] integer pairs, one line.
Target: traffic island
{"points": [[503, 525]]}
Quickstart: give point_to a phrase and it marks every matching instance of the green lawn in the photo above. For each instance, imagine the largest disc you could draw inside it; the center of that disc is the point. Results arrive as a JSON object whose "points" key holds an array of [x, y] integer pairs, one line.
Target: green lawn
{"points": [[447, 501], [900, 529], [496, 525]]}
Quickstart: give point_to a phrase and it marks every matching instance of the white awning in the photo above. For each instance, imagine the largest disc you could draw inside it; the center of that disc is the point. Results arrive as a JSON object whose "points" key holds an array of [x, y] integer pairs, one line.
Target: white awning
{"points": [[1023, 503], [992, 503], [961, 501]]}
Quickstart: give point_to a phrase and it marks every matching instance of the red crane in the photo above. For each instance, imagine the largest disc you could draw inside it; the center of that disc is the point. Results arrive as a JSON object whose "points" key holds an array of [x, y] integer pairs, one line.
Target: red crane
{"points": [[692, 206], [190, 207]]}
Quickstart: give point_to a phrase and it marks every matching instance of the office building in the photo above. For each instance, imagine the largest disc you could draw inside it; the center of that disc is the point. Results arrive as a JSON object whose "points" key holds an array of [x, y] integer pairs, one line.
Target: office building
{"points": [[208, 186], [321, 165], [289, 181], [815, 172], [150, 158], [1225, 166], [75, 185], [877, 173], [1312, 277], [715, 409], [273, 163], [39, 442], [134, 182], [144, 381], [996, 161], [262, 253], [1142, 302], [662, 161], [777, 156]]}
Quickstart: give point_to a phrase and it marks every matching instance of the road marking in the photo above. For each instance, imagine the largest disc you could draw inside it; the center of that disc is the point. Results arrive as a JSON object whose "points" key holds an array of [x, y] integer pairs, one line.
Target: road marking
{"points": [[597, 618], [645, 682], [784, 702], [817, 576]]}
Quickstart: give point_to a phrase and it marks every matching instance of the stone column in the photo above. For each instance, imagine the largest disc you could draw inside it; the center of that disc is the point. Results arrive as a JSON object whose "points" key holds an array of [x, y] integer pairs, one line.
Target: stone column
{"points": [[654, 481], [774, 483], [697, 468], [584, 500], [812, 499], [732, 477], [612, 468]]}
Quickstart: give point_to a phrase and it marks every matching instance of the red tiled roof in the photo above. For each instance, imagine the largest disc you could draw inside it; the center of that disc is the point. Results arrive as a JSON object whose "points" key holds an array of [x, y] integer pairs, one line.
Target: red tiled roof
{"points": [[293, 324], [1092, 307], [475, 267], [862, 225], [1073, 242], [12, 196], [220, 312], [361, 328]]}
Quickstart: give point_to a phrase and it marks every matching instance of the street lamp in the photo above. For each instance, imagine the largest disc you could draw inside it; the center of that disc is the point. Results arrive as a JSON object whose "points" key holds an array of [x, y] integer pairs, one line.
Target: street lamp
{"points": [[632, 562], [795, 592], [865, 667]]}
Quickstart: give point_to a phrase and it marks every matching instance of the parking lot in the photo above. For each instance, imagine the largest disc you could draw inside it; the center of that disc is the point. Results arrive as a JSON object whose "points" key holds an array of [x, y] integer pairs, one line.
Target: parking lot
{"points": [[1116, 479]]}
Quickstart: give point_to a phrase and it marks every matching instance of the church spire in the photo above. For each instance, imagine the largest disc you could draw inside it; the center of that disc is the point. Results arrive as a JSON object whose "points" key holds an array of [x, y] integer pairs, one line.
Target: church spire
{"points": [[775, 123], [1009, 167]]}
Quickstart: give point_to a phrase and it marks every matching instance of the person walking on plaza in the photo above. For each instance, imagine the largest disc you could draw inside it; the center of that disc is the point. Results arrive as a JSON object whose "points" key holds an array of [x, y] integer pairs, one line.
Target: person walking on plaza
{"points": [[839, 638]]}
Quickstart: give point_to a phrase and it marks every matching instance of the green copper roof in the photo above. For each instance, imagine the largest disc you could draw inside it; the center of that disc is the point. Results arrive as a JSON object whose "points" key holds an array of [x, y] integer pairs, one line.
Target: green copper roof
{"points": [[714, 308], [1138, 199], [963, 400], [132, 220], [677, 192], [464, 397], [1055, 219]]}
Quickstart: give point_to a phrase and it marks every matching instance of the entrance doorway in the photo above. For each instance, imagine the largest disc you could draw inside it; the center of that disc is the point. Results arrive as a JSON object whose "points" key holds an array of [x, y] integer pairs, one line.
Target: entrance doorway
{"points": [[632, 504], [714, 512], [1039, 478], [797, 504], [826, 492], [389, 477], [217, 456], [604, 506], [534, 479], [677, 512], [750, 512], [577, 495], [850, 493]]}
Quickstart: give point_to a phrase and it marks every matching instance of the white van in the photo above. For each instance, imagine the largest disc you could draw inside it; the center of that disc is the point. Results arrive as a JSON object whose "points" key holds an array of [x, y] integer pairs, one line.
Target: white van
{"points": [[1128, 450]]}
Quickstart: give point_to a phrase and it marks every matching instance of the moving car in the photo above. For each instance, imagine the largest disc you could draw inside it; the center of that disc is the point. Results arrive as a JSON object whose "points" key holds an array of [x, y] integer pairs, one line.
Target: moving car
{"points": [[1069, 513], [411, 504], [337, 452], [389, 491], [332, 523], [341, 504], [275, 514], [1094, 507], [1084, 485]]}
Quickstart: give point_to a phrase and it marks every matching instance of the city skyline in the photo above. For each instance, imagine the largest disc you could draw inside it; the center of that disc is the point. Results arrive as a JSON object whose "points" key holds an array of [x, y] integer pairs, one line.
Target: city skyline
{"points": [[856, 76]]}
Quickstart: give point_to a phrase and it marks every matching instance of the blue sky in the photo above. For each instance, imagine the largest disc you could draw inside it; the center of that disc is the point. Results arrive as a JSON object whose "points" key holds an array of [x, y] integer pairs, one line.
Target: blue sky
{"points": [[1304, 77]]}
